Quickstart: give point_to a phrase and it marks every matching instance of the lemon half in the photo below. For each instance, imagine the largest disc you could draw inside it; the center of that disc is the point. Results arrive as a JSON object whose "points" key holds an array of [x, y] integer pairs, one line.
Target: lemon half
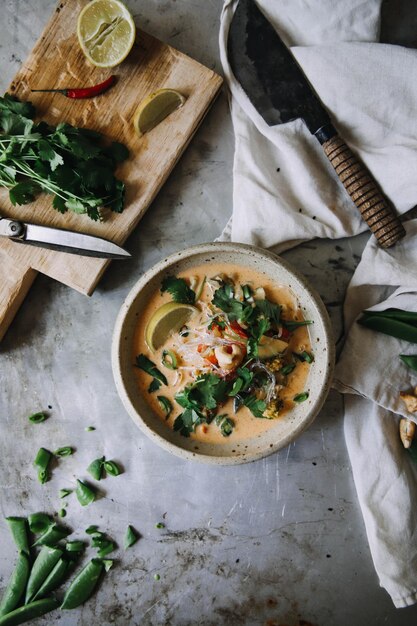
{"points": [[155, 108], [106, 32], [166, 320]]}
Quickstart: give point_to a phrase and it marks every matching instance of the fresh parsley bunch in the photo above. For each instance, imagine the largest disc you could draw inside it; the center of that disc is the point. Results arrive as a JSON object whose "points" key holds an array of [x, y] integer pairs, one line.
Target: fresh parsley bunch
{"points": [[70, 163]]}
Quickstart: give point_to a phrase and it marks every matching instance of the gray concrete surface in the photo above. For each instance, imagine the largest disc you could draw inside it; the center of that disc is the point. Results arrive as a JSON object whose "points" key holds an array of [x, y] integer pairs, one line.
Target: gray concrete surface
{"points": [[269, 543]]}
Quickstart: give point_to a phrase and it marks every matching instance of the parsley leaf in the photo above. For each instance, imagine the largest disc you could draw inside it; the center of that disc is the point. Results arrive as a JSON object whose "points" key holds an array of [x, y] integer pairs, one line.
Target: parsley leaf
{"points": [[178, 289], [145, 364]]}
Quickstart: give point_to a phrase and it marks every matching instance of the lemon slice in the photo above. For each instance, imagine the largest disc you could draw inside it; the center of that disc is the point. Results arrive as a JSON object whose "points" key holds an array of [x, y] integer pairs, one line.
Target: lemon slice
{"points": [[167, 320], [155, 108], [106, 32]]}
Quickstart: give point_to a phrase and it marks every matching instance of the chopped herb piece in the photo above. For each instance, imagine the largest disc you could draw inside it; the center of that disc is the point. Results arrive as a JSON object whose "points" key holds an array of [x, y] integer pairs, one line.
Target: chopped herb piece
{"points": [[159, 525], [165, 405], [178, 289], [95, 469], [157, 577], [112, 468], [66, 451], [39, 522], [301, 397], [255, 406], [169, 359], [37, 418], [41, 462], [85, 493], [187, 421], [131, 537], [154, 385], [63, 493], [145, 364]]}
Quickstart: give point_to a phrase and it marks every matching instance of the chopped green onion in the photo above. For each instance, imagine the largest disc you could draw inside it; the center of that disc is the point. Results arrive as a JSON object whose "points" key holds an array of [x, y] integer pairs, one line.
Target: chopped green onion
{"points": [[304, 356], [247, 292], [37, 418], [66, 451], [159, 525], [63, 493], [165, 405], [96, 468], [41, 462], [75, 546], [301, 397], [169, 359], [39, 522], [131, 537], [85, 493], [293, 325], [287, 369], [112, 468]]}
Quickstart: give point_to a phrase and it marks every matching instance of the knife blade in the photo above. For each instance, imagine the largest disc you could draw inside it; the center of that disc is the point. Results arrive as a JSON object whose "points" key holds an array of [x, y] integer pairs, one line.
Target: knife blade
{"points": [[280, 91], [61, 240]]}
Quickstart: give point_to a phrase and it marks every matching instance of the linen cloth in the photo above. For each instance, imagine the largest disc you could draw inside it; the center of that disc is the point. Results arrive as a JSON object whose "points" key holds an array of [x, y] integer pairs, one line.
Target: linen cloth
{"points": [[285, 192]]}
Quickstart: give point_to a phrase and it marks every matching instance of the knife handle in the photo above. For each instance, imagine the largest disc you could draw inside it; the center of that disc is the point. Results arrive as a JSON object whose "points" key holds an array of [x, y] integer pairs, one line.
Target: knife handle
{"points": [[365, 192]]}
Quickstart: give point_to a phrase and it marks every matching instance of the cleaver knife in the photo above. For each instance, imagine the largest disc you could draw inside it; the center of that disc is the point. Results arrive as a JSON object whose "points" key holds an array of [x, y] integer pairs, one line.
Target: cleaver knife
{"points": [[280, 91]]}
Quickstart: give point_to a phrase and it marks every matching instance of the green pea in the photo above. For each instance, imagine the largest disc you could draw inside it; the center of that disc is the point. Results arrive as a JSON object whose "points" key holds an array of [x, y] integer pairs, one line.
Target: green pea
{"points": [[17, 584], [54, 579], [19, 529], [96, 468], [85, 494], [83, 585], [28, 612], [44, 564]]}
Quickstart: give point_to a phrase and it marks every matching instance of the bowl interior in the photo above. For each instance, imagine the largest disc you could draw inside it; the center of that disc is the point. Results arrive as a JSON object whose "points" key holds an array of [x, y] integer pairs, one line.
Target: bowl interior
{"points": [[282, 431]]}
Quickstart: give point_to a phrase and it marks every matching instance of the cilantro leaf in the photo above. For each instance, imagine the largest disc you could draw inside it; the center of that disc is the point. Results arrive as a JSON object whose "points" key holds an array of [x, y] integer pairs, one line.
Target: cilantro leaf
{"points": [[23, 193], [11, 103], [270, 310], [186, 422], [255, 406], [178, 289], [145, 364], [223, 299]]}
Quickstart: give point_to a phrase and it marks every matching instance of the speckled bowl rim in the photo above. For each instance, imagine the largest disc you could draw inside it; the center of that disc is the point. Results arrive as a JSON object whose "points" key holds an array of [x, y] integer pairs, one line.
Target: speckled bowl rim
{"points": [[209, 248]]}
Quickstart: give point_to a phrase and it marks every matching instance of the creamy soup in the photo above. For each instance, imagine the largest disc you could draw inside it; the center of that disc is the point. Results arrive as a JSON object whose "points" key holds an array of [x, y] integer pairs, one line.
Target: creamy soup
{"points": [[238, 363]]}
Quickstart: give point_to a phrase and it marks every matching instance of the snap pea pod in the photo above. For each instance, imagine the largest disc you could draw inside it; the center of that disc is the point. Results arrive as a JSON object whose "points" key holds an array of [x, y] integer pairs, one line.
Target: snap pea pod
{"points": [[17, 584], [390, 326], [96, 468], [39, 522], [410, 360], [19, 530], [397, 314], [44, 564], [83, 585], [29, 611], [54, 579], [41, 462], [52, 535], [85, 493]]}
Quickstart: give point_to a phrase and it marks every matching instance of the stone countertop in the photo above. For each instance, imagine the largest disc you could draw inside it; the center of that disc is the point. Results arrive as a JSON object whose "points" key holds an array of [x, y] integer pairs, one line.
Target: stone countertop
{"points": [[272, 542]]}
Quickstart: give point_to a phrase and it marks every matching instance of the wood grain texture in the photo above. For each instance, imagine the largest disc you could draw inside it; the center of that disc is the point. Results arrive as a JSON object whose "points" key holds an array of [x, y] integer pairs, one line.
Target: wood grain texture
{"points": [[365, 193], [57, 61]]}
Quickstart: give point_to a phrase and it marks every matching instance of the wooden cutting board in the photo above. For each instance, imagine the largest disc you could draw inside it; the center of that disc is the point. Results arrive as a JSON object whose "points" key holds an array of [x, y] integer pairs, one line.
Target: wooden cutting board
{"points": [[57, 61]]}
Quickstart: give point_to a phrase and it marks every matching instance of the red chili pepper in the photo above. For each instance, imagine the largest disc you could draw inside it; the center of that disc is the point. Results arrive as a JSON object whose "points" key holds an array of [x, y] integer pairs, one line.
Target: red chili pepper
{"points": [[237, 328], [285, 334], [83, 92]]}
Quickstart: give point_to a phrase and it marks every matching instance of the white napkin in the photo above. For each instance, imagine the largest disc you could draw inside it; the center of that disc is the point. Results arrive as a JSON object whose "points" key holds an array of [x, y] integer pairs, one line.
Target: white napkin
{"points": [[285, 192], [284, 189], [385, 476]]}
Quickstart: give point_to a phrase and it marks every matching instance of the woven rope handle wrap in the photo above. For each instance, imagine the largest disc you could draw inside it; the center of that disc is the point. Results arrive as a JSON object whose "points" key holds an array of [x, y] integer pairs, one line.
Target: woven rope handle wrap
{"points": [[365, 193]]}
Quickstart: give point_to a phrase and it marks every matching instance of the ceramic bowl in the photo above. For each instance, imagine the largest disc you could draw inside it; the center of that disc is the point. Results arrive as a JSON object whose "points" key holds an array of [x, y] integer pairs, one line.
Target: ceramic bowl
{"points": [[282, 431]]}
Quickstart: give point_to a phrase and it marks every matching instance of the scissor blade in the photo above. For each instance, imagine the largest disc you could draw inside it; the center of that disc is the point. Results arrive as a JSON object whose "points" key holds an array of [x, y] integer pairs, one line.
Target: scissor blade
{"points": [[75, 243]]}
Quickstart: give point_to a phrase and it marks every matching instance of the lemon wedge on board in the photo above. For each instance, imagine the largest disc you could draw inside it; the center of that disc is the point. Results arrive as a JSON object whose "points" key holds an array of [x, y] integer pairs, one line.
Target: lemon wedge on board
{"points": [[167, 320], [106, 32], [155, 108]]}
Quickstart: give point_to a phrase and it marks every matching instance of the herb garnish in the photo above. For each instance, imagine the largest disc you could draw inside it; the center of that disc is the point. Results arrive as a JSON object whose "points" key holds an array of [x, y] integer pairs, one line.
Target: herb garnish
{"points": [[145, 364], [178, 289], [67, 162]]}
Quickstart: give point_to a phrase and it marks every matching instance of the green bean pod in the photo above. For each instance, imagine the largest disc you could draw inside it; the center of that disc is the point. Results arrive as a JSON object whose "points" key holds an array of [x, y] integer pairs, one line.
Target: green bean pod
{"points": [[397, 314], [410, 360], [54, 579], [19, 530], [44, 564], [390, 326], [17, 584], [28, 612], [83, 585]]}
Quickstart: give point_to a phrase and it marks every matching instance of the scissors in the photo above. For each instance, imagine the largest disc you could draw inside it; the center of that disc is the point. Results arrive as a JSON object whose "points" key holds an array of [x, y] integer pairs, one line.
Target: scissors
{"points": [[60, 239]]}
